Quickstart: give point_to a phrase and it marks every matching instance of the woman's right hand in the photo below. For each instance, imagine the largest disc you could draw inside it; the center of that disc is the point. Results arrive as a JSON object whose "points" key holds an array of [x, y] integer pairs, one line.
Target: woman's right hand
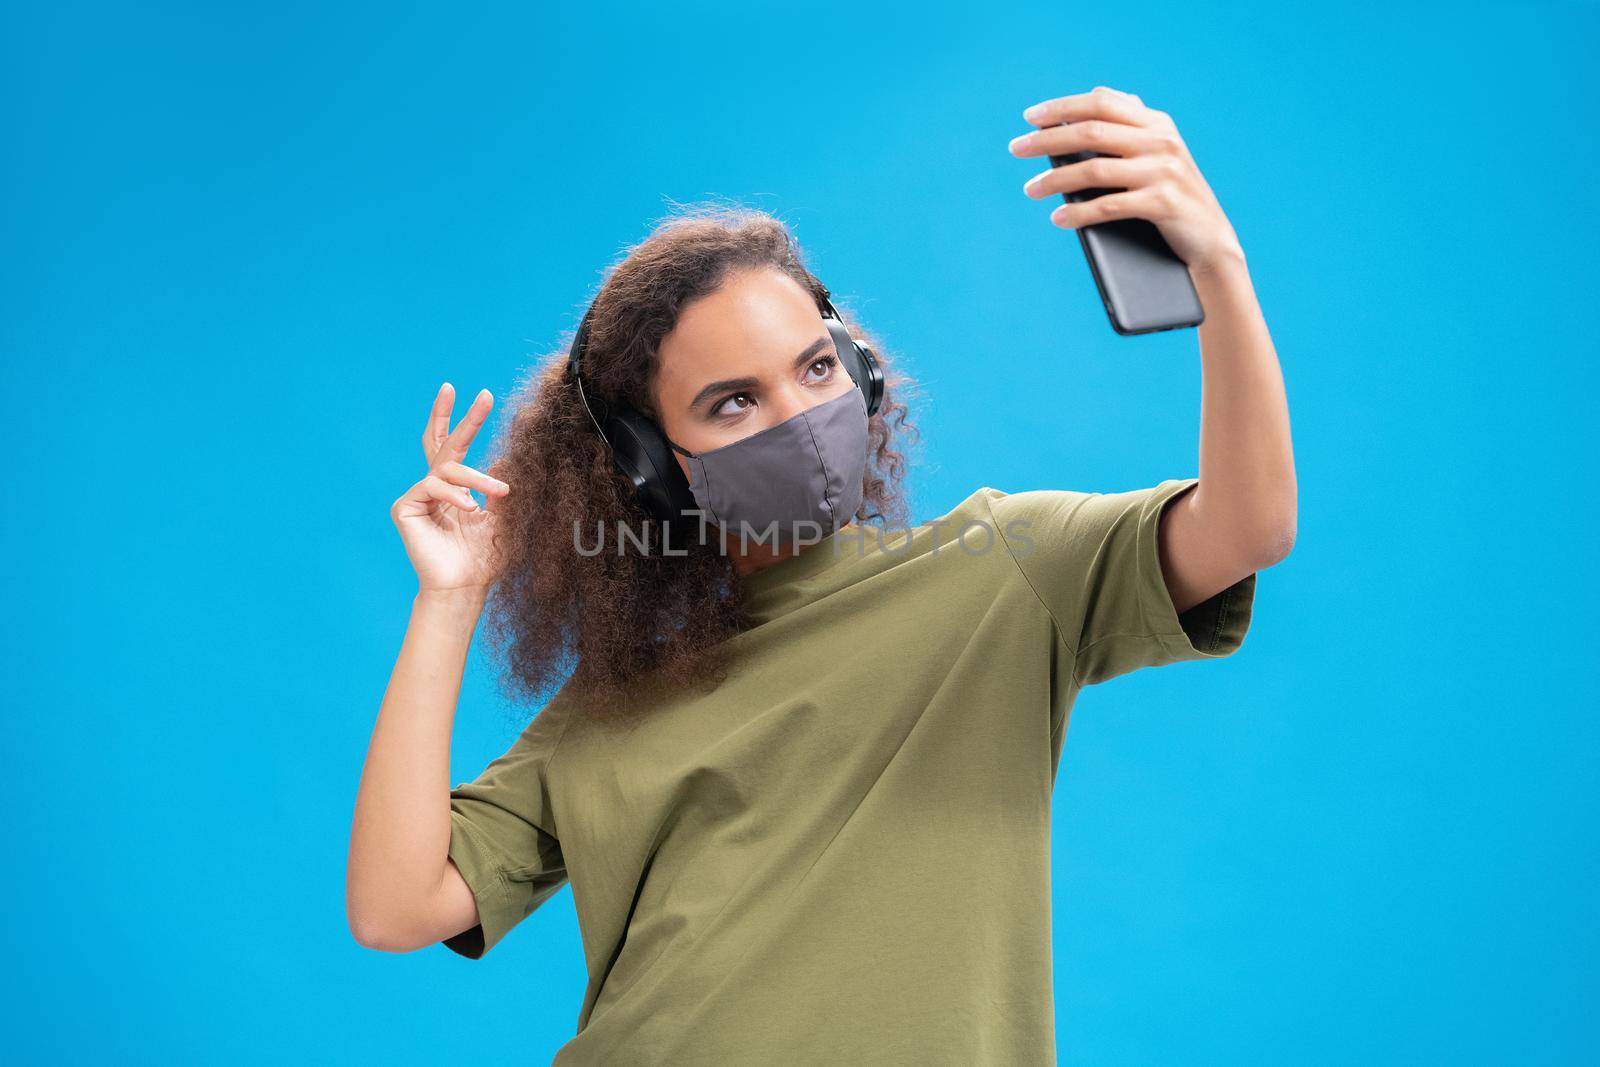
{"points": [[448, 537]]}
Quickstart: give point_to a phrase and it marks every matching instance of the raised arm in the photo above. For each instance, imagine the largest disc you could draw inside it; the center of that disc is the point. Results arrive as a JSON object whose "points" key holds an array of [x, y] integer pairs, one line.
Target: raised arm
{"points": [[401, 891], [1241, 516]]}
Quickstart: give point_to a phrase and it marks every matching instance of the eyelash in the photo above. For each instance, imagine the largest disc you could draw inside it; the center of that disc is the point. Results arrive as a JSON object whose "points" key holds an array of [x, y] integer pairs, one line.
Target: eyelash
{"points": [[832, 360]]}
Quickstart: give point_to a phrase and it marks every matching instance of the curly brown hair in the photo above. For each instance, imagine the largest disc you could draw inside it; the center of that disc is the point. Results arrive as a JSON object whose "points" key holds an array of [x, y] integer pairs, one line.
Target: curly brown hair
{"points": [[596, 623]]}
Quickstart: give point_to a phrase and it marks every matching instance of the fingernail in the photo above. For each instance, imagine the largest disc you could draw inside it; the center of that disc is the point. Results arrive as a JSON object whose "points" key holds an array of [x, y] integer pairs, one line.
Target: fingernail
{"points": [[1017, 142], [1034, 113]]}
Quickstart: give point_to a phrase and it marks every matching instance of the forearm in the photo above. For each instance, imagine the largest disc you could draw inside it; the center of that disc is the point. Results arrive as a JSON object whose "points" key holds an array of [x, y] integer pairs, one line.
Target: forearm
{"points": [[400, 836], [1246, 499]]}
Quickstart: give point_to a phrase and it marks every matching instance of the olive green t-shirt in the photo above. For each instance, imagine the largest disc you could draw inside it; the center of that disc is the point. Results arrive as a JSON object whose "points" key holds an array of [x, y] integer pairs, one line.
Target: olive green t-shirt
{"points": [[841, 855]]}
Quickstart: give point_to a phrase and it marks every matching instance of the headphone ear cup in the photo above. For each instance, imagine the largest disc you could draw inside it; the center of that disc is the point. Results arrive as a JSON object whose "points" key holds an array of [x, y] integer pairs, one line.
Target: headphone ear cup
{"points": [[873, 375], [623, 456], [642, 454], [858, 361]]}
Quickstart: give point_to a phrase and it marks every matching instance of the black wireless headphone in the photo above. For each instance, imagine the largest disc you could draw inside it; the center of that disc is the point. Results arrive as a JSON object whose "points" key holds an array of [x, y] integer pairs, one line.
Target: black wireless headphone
{"points": [[639, 447]]}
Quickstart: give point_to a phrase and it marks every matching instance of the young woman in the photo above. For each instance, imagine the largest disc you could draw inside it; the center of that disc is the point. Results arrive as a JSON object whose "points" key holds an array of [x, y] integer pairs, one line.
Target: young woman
{"points": [[801, 791]]}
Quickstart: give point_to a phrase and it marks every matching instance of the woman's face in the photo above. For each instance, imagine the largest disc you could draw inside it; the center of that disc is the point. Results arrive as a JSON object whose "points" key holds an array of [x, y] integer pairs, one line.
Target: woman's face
{"points": [[746, 357]]}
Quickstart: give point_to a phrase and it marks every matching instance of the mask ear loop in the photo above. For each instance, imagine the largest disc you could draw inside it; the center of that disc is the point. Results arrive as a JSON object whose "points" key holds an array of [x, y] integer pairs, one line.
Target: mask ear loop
{"points": [[681, 451]]}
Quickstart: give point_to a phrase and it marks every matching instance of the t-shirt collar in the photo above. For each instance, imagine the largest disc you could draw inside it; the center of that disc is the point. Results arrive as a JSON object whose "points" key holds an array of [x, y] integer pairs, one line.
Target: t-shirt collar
{"points": [[771, 590]]}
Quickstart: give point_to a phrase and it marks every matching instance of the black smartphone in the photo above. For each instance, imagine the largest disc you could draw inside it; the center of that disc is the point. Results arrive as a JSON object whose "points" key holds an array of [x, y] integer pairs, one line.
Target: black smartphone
{"points": [[1143, 284]]}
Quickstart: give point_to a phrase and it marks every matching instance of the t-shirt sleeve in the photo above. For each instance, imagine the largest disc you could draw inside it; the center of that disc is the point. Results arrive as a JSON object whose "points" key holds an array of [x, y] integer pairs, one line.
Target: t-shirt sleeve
{"points": [[503, 836], [1093, 560]]}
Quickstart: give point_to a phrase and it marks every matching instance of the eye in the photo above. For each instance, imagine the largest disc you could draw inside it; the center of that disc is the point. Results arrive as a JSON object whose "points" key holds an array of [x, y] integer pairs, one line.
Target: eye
{"points": [[827, 362], [717, 410]]}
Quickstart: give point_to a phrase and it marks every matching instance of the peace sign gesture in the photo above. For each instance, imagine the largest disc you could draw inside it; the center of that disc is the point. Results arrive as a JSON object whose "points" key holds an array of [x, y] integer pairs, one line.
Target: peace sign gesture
{"points": [[448, 537]]}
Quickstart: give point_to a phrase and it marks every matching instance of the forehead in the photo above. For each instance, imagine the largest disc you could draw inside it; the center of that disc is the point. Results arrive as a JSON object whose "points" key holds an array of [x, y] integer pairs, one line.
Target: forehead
{"points": [[753, 325]]}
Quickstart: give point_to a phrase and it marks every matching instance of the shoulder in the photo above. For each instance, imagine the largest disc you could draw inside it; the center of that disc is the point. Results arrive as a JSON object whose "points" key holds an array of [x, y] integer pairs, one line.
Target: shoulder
{"points": [[1067, 523], [1014, 521], [1024, 501], [1012, 511], [542, 736], [1063, 503]]}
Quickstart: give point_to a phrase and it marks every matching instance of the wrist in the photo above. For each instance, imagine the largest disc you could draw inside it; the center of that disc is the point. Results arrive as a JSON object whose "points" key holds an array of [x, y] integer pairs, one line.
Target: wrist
{"points": [[1228, 260], [460, 599]]}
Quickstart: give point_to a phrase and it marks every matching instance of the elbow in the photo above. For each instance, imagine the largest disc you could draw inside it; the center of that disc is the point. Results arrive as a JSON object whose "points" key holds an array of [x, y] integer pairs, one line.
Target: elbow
{"points": [[378, 937], [372, 929], [1273, 543], [369, 933], [1253, 532]]}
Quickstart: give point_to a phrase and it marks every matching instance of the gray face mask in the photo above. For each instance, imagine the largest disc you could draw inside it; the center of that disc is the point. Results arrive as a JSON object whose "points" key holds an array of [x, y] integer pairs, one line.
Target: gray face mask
{"points": [[801, 478]]}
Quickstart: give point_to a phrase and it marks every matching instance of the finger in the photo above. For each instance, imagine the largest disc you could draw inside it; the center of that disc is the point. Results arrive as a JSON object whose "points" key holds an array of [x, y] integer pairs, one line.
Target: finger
{"points": [[1152, 202], [438, 425], [1108, 89], [455, 446], [1101, 172], [415, 501], [460, 474], [439, 489], [1149, 117], [1095, 135], [1099, 103]]}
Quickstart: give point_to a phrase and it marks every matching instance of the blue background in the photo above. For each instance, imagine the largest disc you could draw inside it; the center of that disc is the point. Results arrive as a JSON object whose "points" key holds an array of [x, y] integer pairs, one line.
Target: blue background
{"points": [[244, 244]]}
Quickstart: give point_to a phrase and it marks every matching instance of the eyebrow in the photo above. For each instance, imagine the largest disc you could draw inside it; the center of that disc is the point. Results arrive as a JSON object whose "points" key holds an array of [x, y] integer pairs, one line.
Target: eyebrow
{"points": [[729, 384]]}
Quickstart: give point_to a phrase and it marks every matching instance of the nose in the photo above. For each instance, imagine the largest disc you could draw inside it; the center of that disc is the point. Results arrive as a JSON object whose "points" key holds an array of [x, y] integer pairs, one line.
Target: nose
{"points": [[787, 405], [794, 399]]}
